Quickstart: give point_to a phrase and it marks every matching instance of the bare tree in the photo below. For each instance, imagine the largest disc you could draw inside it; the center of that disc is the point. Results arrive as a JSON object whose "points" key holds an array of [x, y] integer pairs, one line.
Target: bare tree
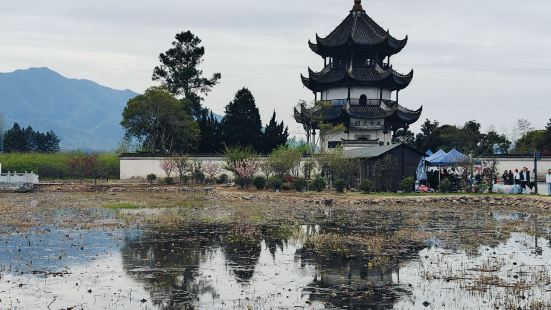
{"points": [[522, 128], [182, 165]]}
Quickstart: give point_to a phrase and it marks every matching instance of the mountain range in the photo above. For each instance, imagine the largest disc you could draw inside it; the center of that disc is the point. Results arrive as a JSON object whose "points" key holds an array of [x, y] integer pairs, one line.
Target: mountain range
{"points": [[84, 114]]}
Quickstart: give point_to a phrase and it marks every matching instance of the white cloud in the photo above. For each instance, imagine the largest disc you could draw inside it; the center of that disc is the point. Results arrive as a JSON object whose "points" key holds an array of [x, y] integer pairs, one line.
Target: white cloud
{"points": [[473, 60]]}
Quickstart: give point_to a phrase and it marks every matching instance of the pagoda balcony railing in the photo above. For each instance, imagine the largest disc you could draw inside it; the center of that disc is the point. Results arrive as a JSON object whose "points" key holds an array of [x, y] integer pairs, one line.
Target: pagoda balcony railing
{"points": [[369, 64], [360, 142], [364, 102]]}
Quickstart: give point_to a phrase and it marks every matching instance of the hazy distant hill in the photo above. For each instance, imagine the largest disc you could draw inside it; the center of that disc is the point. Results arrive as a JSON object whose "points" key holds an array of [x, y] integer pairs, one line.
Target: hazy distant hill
{"points": [[84, 114]]}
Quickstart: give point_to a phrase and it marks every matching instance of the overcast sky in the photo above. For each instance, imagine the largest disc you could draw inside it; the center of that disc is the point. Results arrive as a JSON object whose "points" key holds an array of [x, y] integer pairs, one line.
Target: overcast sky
{"points": [[486, 60]]}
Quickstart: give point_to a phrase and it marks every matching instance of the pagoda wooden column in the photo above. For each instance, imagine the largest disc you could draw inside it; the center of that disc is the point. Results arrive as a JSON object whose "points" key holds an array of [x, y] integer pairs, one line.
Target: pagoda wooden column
{"points": [[314, 140]]}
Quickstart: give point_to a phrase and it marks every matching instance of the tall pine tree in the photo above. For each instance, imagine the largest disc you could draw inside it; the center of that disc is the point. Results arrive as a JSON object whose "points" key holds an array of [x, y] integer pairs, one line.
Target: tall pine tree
{"points": [[210, 140], [179, 70], [274, 135], [241, 125]]}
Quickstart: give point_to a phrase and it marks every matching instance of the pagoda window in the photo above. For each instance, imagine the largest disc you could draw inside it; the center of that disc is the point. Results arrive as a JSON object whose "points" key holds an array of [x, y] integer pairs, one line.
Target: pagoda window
{"points": [[363, 100]]}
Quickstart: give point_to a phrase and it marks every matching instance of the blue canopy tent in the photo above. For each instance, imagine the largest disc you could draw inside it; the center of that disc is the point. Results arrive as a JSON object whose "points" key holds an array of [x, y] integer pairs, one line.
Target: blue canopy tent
{"points": [[440, 159], [454, 157], [422, 167], [421, 170], [435, 156]]}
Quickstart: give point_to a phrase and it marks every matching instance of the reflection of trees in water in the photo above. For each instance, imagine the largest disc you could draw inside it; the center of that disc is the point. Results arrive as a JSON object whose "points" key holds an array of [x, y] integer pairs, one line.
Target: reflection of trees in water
{"points": [[363, 279], [353, 283], [242, 249], [167, 260], [243, 246]]}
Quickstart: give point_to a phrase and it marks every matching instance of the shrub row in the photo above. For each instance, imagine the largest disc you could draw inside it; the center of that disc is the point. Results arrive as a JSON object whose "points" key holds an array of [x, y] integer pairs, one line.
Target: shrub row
{"points": [[61, 165]]}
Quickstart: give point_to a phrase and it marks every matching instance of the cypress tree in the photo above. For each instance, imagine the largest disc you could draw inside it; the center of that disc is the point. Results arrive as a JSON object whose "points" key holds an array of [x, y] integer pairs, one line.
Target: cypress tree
{"points": [[242, 125], [275, 135], [210, 133]]}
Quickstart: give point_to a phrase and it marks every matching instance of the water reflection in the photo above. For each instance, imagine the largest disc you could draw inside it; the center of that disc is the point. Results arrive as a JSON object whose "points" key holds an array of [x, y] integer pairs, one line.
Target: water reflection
{"points": [[246, 266], [237, 265]]}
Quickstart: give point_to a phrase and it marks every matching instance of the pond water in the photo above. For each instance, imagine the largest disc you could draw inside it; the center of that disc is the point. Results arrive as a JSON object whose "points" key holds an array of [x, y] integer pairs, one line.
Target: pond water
{"points": [[258, 267]]}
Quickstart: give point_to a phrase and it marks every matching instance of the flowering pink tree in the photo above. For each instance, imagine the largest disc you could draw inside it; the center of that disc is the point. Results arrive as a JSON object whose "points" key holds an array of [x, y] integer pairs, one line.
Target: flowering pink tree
{"points": [[245, 171], [168, 166], [212, 169]]}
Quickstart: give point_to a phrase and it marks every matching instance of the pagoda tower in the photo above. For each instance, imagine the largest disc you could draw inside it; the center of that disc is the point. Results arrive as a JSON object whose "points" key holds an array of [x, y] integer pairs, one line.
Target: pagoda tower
{"points": [[357, 89]]}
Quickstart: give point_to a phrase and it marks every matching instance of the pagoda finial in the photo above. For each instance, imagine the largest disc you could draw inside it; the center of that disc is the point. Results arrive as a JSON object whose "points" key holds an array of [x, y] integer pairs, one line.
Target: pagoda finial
{"points": [[357, 6]]}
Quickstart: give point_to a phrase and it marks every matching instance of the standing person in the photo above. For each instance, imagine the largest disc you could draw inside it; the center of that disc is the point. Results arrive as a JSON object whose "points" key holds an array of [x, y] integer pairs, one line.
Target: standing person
{"points": [[505, 177], [517, 178], [548, 181], [511, 178], [524, 178]]}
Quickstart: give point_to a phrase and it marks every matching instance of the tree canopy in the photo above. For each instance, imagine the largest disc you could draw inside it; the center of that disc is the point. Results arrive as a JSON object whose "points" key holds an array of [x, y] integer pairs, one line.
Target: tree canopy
{"points": [[211, 134], [179, 70], [18, 139], [160, 122], [241, 125], [275, 135], [468, 139]]}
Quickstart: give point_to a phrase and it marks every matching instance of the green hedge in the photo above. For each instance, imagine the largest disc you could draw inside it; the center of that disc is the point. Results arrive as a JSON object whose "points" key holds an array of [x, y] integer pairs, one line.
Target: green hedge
{"points": [[57, 165]]}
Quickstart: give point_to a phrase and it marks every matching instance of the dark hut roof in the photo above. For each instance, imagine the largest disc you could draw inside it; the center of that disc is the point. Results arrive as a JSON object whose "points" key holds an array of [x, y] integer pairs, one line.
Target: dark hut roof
{"points": [[375, 76], [360, 32]]}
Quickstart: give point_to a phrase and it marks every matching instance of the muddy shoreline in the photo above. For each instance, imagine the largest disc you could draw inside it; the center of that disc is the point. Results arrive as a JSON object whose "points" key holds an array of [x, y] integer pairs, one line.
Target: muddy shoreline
{"points": [[223, 193]]}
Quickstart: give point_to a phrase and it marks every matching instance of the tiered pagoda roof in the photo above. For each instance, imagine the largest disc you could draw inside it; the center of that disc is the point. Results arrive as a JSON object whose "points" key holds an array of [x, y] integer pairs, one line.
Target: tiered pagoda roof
{"points": [[360, 33], [374, 75], [389, 110], [357, 50]]}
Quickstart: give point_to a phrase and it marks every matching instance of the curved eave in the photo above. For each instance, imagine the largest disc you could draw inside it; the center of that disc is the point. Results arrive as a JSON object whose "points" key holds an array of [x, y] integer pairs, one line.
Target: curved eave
{"points": [[386, 48], [349, 35], [390, 79], [401, 81], [408, 116], [315, 48], [306, 82], [396, 45], [299, 118]]}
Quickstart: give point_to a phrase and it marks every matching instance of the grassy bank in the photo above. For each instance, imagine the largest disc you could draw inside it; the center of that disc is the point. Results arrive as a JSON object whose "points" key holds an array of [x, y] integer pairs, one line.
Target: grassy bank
{"points": [[60, 165]]}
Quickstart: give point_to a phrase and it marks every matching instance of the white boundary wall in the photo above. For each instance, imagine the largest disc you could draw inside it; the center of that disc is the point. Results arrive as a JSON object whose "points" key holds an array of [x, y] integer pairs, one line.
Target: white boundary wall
{"points": [[509, 163], [140, 167]]}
